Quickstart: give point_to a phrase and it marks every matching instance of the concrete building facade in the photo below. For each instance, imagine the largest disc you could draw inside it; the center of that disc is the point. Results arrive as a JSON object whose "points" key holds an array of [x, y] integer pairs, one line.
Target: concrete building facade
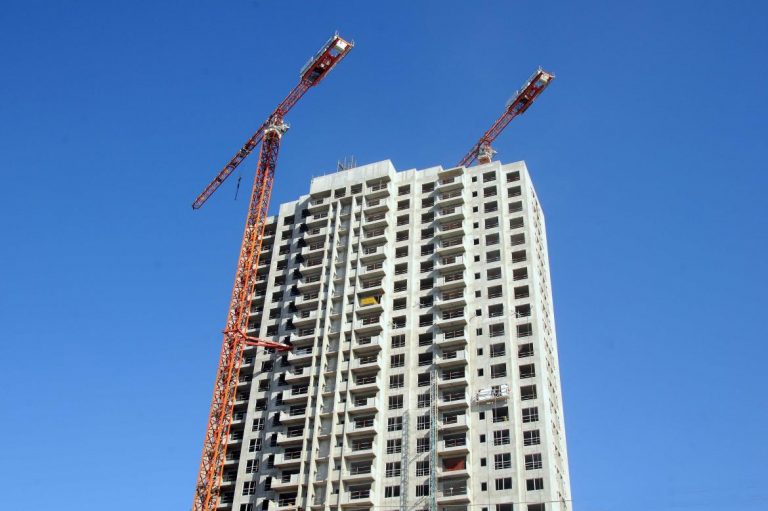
{"points": [[424, 371]]}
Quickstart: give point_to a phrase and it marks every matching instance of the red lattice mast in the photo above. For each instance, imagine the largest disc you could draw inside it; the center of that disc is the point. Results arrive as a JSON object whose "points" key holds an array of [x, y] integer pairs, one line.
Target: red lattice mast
{"points": [[235, 334]]}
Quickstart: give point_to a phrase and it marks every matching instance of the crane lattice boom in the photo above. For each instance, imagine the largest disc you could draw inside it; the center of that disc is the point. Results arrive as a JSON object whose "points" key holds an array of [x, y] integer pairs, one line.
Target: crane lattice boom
{"points": [[235, 334], [517, 105], [311, 74]]}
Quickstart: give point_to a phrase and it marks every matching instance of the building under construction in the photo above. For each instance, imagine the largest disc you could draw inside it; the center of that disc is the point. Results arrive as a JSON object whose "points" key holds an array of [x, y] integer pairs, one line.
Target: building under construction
{"points": [[406, 296], [390, 343]]}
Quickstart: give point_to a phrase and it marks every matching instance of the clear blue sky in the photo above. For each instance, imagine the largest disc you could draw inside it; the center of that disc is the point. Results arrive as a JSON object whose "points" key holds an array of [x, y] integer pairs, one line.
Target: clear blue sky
{"points": [[648, 152]]}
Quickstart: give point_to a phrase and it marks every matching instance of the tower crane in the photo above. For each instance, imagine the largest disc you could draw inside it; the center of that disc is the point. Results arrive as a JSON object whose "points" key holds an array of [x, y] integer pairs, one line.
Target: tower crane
{"points": [[236, 338], [517, 105]]}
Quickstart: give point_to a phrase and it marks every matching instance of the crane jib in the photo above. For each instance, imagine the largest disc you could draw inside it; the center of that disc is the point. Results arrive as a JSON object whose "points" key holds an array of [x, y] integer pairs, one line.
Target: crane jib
{"points": [[313, 72], [517, 105]]}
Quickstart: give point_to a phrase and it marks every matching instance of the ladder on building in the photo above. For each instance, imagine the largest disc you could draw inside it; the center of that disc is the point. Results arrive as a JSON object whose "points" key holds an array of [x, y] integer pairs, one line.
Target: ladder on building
{"points": [[404, 465], [433, 418]]}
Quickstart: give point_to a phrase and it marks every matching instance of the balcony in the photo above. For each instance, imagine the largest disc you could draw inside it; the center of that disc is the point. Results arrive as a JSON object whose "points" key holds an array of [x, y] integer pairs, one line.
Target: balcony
{"points": [[297, 394], [455, 280], [355, 474], [371, 303], [367, 344], [365, 383], [286, 503], [291, 437], [454, 423], [295, 416], [307, 299], [450, 198], [311, 262], [453, 494], [448, 228], [362, 426], [318, 204], [444, 473], [319, 219], [376, 221], [301, 355], [449, 246], [453, 446], [315, 248], [449, 213], [286, 482], [370, 270], [451, 358], [308, 283], [377, 190], [451, 263], [372, 285], [315, 234], [450, 298], [452, 377], [288, 459], [367, 404], [375, 236], [451, 318], [358, 498], [369, 254], [297, 374], [369, 324], [361, 449], [454, 337], [305, 317], [368, 362], [376, 205], [447, 183], [453, 400]]}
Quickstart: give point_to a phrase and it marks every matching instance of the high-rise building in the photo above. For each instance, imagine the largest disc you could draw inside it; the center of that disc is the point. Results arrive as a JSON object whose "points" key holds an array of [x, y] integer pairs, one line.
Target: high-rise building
{"points": [[424, 371]]}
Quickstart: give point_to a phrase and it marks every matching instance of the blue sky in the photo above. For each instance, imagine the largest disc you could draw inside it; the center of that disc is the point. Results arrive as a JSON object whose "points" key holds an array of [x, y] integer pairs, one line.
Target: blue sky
{"points": [[647, 153]]}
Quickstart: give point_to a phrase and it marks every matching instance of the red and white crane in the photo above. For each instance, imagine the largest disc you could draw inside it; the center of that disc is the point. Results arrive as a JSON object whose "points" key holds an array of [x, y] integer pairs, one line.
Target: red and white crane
{"points": [[236, 339], [517, 105]]}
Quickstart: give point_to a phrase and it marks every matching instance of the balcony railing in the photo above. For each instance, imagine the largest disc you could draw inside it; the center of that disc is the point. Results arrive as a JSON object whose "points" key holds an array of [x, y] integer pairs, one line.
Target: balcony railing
{"points": [[459, 313], [454, 442], [453, 396], [367, 423], [451, 243], [452, 491], [454, 420], [449, 211], [453, 375]]}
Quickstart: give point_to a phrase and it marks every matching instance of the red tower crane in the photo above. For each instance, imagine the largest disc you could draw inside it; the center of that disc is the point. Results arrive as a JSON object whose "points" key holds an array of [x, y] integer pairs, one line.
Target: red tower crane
{"points": [[517, 105], [235, 334]]}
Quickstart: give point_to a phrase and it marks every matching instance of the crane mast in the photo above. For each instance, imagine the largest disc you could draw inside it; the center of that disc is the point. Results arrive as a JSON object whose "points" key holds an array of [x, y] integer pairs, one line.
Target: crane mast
{"points": [[236, 339], [517, 105]]}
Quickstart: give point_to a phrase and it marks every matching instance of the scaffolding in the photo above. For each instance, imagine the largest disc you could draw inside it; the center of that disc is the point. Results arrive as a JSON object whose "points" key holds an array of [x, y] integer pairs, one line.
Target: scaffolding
{"points": [[491, 394]]}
